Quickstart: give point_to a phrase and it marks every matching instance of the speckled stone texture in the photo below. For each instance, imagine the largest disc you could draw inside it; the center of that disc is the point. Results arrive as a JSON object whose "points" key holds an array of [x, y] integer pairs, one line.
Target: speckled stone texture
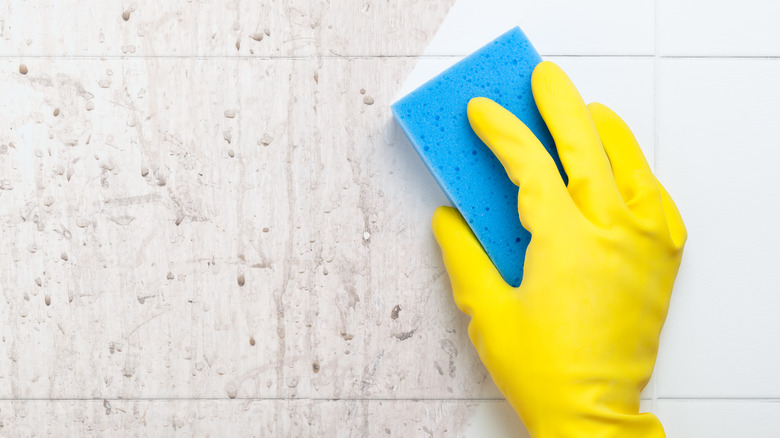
{"points": [[211, 225]]}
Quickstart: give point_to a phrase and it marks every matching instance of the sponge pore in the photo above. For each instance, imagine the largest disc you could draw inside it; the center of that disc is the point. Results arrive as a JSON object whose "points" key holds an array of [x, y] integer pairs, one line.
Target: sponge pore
{"points": [[434, 119]]}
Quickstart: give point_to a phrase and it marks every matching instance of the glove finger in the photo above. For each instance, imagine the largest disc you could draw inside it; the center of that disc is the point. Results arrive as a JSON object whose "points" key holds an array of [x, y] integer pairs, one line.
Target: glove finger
{"points": [[475, 281], [542, 193], [591, 183], [677, 230], [635, 181]]}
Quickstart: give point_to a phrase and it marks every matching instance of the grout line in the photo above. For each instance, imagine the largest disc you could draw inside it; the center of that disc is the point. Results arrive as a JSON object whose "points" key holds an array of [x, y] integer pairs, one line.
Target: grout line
{"points": [[656, 136], [301, 57], [722, 399], [654, 56], [320, 399]]}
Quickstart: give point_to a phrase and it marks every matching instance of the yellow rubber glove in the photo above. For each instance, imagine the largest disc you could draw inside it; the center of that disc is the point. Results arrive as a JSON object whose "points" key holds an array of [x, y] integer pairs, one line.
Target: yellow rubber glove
{"points": [[575, 343]]}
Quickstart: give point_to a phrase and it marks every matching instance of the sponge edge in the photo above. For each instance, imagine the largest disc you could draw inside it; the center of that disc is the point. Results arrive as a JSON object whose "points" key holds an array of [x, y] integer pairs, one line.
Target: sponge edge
{"points": [[434, 119]]}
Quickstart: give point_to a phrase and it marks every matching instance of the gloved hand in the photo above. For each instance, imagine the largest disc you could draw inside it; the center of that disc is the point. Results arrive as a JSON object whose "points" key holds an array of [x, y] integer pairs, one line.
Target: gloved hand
{"points": [[575, 343]]}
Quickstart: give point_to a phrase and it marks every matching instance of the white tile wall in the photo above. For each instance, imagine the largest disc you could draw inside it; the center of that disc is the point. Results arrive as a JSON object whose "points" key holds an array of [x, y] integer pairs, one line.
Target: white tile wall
{"points": [[718, 156], [223, 28], [277, 249], [624, 84]]}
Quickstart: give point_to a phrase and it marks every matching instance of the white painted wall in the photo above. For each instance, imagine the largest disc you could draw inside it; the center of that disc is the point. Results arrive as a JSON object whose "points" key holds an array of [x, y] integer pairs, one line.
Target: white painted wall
{"points": [[206, 234]]}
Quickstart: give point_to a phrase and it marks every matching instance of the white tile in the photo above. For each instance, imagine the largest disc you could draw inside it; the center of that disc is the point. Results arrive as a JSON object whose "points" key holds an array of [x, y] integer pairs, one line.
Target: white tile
{"points": [[358, 343], [719, 27], [218, 28], [718, 157], [557, 27], [720, 419], [624, 85], [150, 28]]}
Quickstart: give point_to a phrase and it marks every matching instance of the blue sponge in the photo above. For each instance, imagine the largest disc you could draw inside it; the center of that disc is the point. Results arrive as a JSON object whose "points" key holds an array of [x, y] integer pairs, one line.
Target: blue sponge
{"points": [[434, 118]]}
